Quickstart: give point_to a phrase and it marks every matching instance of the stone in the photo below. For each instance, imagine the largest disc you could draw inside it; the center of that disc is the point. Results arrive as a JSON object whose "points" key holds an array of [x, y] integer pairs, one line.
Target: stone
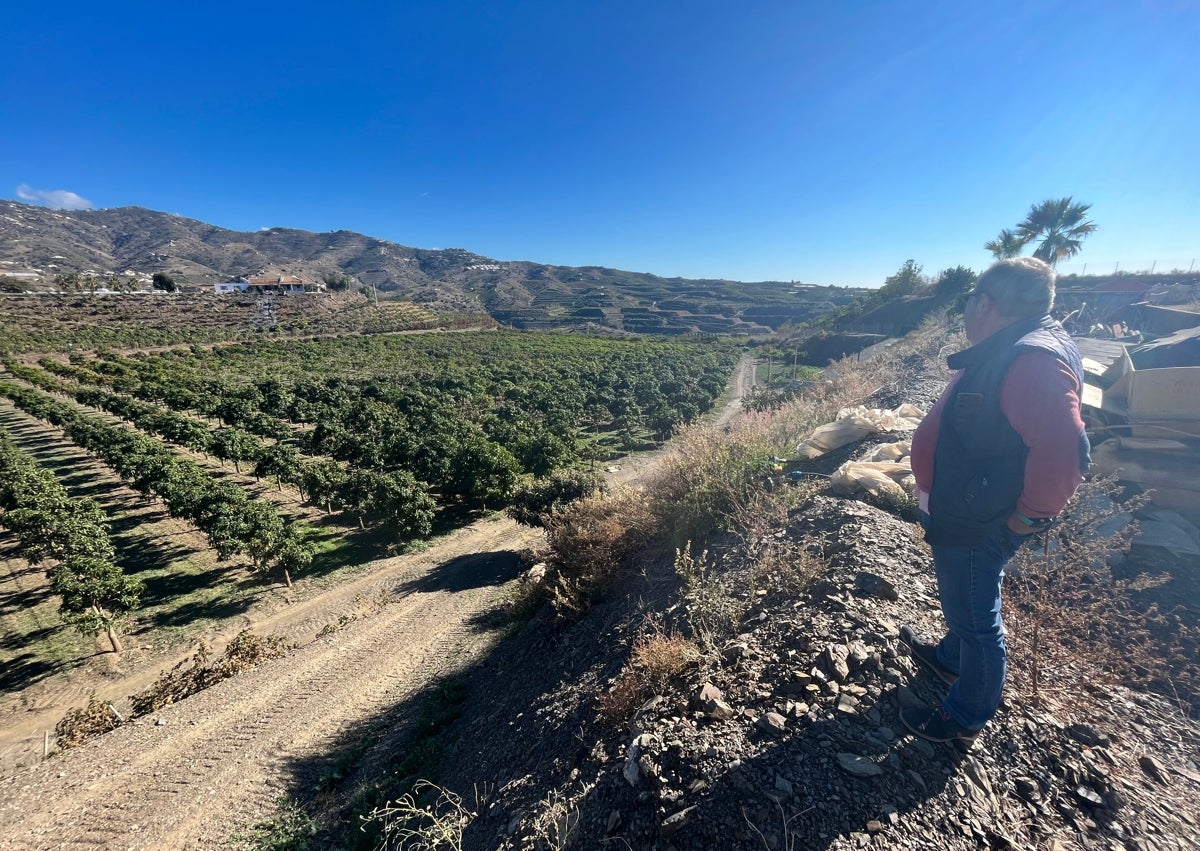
{"points": [[1153, 767], [772, 722], [672, 824], [1087, 735], [822, 589], [874, 585], [888, 628], [976, 774], [719, 710], [858, 766], [1028, 790], [731, 653], [847, 703], [614, 821], [632, 770], [835, 660]]}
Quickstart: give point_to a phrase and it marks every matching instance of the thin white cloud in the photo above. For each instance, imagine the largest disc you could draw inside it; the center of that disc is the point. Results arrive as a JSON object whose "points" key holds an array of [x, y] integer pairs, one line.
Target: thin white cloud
{"points": [[55, 199]]}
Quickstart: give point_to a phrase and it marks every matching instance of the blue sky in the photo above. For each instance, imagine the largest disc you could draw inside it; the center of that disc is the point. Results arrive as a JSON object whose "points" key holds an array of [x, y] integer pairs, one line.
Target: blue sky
{"points": [[820, 142]]}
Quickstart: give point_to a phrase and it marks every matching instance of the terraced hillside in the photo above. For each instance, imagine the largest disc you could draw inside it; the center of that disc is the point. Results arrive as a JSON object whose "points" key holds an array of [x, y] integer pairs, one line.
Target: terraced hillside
{"points": [[48, 322], [41, 244]]}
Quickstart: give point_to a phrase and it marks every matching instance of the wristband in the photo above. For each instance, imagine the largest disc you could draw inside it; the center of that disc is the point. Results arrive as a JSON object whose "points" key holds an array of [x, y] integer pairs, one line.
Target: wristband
{"points": [[1034, 522]]}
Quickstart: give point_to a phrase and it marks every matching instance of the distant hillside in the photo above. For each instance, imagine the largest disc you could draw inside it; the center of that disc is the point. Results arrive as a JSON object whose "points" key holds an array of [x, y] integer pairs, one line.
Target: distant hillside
{"points": [[519, 293]]}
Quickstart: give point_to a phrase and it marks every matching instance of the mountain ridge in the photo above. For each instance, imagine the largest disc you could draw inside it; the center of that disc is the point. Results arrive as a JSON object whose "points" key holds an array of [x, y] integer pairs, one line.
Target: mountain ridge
{"points": [[520, 293]]}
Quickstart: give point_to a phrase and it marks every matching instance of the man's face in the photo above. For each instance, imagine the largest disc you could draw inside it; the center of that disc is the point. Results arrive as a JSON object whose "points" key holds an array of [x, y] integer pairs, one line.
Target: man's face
{"points": [[976, 313]]}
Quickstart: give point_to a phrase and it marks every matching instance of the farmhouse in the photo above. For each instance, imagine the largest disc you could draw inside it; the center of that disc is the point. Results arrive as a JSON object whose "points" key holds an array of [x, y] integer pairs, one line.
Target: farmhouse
{"points": [[275, 284]]}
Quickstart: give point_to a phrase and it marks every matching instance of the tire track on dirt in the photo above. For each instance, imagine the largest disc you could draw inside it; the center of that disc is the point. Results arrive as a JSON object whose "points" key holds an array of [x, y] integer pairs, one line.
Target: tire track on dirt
{"points": [[221, 758]]}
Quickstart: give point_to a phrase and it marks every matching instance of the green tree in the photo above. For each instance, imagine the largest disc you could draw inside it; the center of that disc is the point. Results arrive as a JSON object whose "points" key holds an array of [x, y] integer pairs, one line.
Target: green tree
{"points": [[405, 503], [96, 595], [294, 554], [1007, 244], [337, 282], [233, 444], [164, 282], [535, 502], [1059, 226], [281, 461], [322, 482], [482, 471], [907, 280], [954, 282]]}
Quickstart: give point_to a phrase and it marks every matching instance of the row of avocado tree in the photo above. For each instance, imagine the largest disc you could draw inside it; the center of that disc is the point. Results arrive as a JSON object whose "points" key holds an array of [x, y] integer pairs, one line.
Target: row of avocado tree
{"points": [[394, 497], [73, 535], [228, 444], [469, 424], [233, 521], [460, 460]]}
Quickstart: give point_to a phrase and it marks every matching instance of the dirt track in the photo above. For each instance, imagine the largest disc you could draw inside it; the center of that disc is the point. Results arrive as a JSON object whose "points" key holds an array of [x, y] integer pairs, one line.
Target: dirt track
{"points": [[191, 775], [194, 774]]}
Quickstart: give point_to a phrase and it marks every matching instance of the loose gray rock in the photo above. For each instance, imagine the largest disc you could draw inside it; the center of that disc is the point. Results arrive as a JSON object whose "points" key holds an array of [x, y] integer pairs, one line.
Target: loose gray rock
{"points": [[874, 585], [858, 766], [672, 824], [773, 723]]}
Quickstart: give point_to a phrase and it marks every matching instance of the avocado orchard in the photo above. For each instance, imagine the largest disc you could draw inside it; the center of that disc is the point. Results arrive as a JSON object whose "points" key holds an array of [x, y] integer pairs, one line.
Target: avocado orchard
{"points": [[389, 430]]}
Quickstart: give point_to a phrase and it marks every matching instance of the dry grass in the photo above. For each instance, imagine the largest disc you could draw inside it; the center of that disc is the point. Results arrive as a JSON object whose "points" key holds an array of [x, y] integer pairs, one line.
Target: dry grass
{"points": [[590, 541], [1073, 621], [657, 659]]}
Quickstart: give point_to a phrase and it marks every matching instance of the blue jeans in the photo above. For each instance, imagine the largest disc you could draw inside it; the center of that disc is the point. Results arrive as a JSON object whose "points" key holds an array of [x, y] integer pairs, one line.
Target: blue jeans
{"points": [[969, 580]]}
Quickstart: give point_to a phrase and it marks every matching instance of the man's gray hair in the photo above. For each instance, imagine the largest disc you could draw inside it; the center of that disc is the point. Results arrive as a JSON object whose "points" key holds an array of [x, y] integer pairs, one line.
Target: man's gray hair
{"points": [[1019, 286]]}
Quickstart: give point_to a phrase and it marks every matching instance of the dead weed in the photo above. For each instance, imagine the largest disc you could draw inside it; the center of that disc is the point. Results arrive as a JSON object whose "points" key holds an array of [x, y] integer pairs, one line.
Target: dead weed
{"points": [[655, 661], [245, 651]]}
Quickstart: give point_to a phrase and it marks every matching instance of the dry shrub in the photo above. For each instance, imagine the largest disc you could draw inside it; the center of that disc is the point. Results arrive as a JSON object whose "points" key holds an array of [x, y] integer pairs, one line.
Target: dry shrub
{"points": [[425, 819], [655, 661], [590, 541], [1074, 621], [714, 601], [784, 563], [79, 725], [245, 651], [710, 481]]}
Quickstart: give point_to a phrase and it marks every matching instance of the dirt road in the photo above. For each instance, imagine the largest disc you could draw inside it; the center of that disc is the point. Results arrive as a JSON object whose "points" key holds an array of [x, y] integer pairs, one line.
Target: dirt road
{"points": [[195, 774]]}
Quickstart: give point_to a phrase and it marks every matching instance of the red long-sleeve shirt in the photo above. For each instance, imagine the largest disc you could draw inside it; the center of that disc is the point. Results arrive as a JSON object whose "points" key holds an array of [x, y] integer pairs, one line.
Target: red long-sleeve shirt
{"points": [[1040, 399]]}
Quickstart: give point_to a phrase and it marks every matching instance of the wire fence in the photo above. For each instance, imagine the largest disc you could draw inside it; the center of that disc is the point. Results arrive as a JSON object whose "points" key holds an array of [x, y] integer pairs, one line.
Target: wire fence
{"points": [[1166, 265]]}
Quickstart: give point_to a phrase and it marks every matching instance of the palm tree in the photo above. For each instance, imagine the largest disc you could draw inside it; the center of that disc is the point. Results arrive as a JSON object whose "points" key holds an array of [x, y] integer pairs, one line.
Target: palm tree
{"points": [[1006, 245], [1061, 227]]}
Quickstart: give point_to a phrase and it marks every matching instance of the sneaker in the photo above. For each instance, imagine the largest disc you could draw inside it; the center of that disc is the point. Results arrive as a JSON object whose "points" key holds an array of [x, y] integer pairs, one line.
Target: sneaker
{"points": [[925, 652], [936, 725]]}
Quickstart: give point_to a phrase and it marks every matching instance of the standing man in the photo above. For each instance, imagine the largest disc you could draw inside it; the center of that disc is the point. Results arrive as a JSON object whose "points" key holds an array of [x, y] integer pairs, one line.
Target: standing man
{"points": [[999, 456]]}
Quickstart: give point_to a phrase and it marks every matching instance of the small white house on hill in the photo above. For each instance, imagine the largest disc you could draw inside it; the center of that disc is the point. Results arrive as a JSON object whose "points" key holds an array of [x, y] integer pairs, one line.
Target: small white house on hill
{"points": [[274, 284]]}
